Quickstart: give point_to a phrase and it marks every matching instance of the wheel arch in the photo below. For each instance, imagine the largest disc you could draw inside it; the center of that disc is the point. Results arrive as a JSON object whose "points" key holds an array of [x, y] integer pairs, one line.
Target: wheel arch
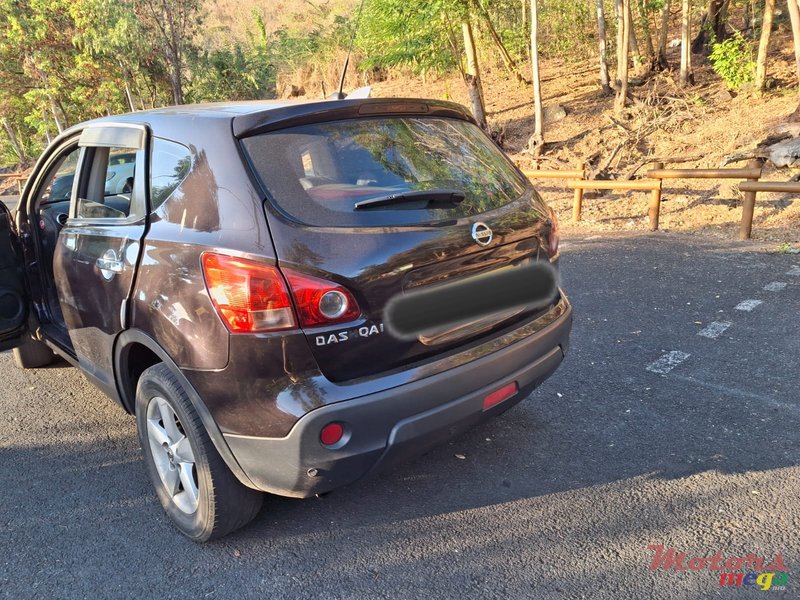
{"points": [[134, 352]]}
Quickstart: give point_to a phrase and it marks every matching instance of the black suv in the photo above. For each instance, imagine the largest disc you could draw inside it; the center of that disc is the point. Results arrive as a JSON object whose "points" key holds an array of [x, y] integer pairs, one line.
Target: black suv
{"points": [[230, 290]]}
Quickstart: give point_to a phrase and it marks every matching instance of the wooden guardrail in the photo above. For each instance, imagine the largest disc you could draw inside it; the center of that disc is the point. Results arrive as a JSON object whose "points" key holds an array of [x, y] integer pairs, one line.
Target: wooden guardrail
{"points": [[578, 182], [19, 178], [752, 173], [654, 184]]}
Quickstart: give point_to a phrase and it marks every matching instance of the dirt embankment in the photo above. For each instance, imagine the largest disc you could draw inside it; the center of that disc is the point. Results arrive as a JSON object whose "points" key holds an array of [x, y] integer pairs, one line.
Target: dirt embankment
{"points": [[703, 121]]}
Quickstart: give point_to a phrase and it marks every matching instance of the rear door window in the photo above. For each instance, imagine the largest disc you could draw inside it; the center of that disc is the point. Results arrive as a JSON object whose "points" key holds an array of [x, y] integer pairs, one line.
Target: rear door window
{"points": [[317, 173]]}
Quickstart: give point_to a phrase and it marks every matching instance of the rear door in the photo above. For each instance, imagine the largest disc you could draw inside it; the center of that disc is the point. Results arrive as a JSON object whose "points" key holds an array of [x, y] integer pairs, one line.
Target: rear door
{"points": [[314, 175], [13, 296], [98, 249]]}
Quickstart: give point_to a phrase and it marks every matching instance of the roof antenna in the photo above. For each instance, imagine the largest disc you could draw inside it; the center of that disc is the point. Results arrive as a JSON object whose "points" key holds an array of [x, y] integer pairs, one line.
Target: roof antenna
{"points": [[340, 95]]}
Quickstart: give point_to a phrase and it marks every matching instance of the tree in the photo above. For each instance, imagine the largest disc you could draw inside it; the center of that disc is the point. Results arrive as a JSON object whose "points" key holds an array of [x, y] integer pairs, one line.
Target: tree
{"points": [[644, 21], [472, 76], [712, 25], [605, 81], [536, 143], [686, 76], [794, 14], [174, 23], [661, 52], [634, 42], [763, 45], [508, 61], [622, 56]]}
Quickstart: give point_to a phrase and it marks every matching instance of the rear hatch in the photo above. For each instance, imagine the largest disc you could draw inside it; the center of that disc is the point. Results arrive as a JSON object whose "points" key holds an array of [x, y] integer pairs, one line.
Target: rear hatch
{"points": [[315, 173]]}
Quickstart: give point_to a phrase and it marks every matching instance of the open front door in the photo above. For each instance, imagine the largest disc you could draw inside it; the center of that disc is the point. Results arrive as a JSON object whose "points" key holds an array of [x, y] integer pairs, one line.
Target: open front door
{"points": [[98, 248], [13, 296]]}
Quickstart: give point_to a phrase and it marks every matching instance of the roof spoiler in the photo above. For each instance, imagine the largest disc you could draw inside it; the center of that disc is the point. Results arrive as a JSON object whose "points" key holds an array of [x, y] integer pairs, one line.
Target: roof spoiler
{"points": [[247, 125]]}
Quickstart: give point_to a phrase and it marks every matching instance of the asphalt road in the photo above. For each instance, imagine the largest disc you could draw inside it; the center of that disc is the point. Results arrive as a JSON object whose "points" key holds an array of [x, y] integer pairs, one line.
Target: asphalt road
{"points": [[10, 201], [558, 498]]}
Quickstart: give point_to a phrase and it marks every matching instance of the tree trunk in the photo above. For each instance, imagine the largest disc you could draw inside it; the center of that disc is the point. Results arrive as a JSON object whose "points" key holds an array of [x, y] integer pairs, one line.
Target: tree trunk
{"points": [[524, 13], [15, 145], [175, 80], [619, 48], [536, 143], [605, 81], [763, 45], [644, 20], [473, 77], [663, 34], [712, 26], [622, 75], [686, 76], [637, 55], [509, 62], [794, 14]]}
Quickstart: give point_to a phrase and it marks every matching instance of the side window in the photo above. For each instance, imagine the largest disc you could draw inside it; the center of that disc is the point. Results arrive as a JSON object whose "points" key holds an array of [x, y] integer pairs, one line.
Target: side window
{"points": [[169, 166], [106, 191], [58, 183]]}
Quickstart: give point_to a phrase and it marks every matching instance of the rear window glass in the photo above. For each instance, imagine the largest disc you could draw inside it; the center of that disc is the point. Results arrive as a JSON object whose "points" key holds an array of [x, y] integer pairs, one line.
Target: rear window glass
{"points": [[317, 173], [169, 166]]}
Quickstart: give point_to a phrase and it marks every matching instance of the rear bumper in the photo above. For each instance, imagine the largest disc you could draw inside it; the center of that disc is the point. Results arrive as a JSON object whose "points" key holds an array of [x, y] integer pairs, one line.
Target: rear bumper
{"points": [[401, 422]]}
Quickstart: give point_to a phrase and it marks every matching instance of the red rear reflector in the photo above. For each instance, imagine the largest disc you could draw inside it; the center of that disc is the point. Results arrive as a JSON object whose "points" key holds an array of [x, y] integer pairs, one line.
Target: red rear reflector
{"points": [[554, 234], [249, 296], [504, 393], [331, 434]]}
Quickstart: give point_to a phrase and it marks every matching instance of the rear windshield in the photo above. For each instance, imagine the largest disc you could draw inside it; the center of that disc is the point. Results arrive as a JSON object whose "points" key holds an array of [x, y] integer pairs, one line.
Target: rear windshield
{"points": [[317, 173]]}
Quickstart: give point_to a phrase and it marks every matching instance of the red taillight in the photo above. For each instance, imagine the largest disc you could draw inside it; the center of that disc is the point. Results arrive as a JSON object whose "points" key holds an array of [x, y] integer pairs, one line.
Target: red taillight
{"points": [[331, 434], [321, 302], [553, 249], [498, 396], [249, 296]]}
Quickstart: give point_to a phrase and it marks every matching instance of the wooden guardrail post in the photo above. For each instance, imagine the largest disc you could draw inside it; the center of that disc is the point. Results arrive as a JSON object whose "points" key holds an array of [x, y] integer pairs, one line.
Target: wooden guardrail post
{"points": [[655, 201], [577, 201], [749, 205]]}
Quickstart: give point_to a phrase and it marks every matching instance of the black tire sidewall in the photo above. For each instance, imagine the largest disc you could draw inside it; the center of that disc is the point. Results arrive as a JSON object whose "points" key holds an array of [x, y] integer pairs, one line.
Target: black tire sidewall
{"points": [[158, 382]]}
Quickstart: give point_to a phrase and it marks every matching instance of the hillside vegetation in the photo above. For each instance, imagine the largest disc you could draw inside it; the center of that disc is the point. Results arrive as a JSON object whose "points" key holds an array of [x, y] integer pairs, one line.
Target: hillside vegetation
{"points": [[67, 61]]}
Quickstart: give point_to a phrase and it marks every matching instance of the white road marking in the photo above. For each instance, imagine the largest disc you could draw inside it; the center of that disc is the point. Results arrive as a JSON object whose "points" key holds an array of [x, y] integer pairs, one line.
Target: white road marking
{"points": [[795, 270], [715, 329], [747, 305], [768, 400], [669, 361], [775, 286]]}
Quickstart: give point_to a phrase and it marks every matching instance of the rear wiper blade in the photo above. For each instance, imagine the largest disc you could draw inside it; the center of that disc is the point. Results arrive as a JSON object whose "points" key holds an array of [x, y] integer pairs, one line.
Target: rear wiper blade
{"points": [[439, 196]]}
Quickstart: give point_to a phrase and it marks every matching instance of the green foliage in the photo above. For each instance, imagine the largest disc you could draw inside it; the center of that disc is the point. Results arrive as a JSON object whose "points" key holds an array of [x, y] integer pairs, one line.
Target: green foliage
{"points": [[410, 34], [566, 28], [732, 59], [238, 71]]}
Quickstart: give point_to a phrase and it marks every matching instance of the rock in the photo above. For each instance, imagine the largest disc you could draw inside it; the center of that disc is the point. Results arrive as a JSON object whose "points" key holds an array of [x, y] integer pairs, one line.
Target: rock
{"points": [[554, 113], [724, 95], [293, 91]]}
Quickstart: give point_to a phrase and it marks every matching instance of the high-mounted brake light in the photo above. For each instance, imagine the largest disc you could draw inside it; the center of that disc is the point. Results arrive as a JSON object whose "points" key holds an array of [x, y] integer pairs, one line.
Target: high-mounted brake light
{"points": [[249, 296], [320, 302], [553, 248]]}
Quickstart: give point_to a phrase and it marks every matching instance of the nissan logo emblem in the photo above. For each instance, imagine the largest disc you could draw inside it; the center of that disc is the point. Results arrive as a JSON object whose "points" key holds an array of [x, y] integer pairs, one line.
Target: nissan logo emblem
{"points": [[482, 234]]}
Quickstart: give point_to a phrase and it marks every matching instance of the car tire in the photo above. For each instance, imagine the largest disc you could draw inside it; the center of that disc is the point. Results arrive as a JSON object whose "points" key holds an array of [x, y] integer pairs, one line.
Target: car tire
{"points": [[196, 488], [33, 354]]}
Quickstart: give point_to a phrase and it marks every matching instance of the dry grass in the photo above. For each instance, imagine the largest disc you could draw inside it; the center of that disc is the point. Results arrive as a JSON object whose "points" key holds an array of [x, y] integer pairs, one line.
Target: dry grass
{"points": [[703, 121]]}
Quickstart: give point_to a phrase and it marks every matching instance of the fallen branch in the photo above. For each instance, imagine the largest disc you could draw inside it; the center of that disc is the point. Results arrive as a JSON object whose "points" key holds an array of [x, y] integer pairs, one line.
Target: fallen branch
{"points": [[607, 162], [666, 160]]}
